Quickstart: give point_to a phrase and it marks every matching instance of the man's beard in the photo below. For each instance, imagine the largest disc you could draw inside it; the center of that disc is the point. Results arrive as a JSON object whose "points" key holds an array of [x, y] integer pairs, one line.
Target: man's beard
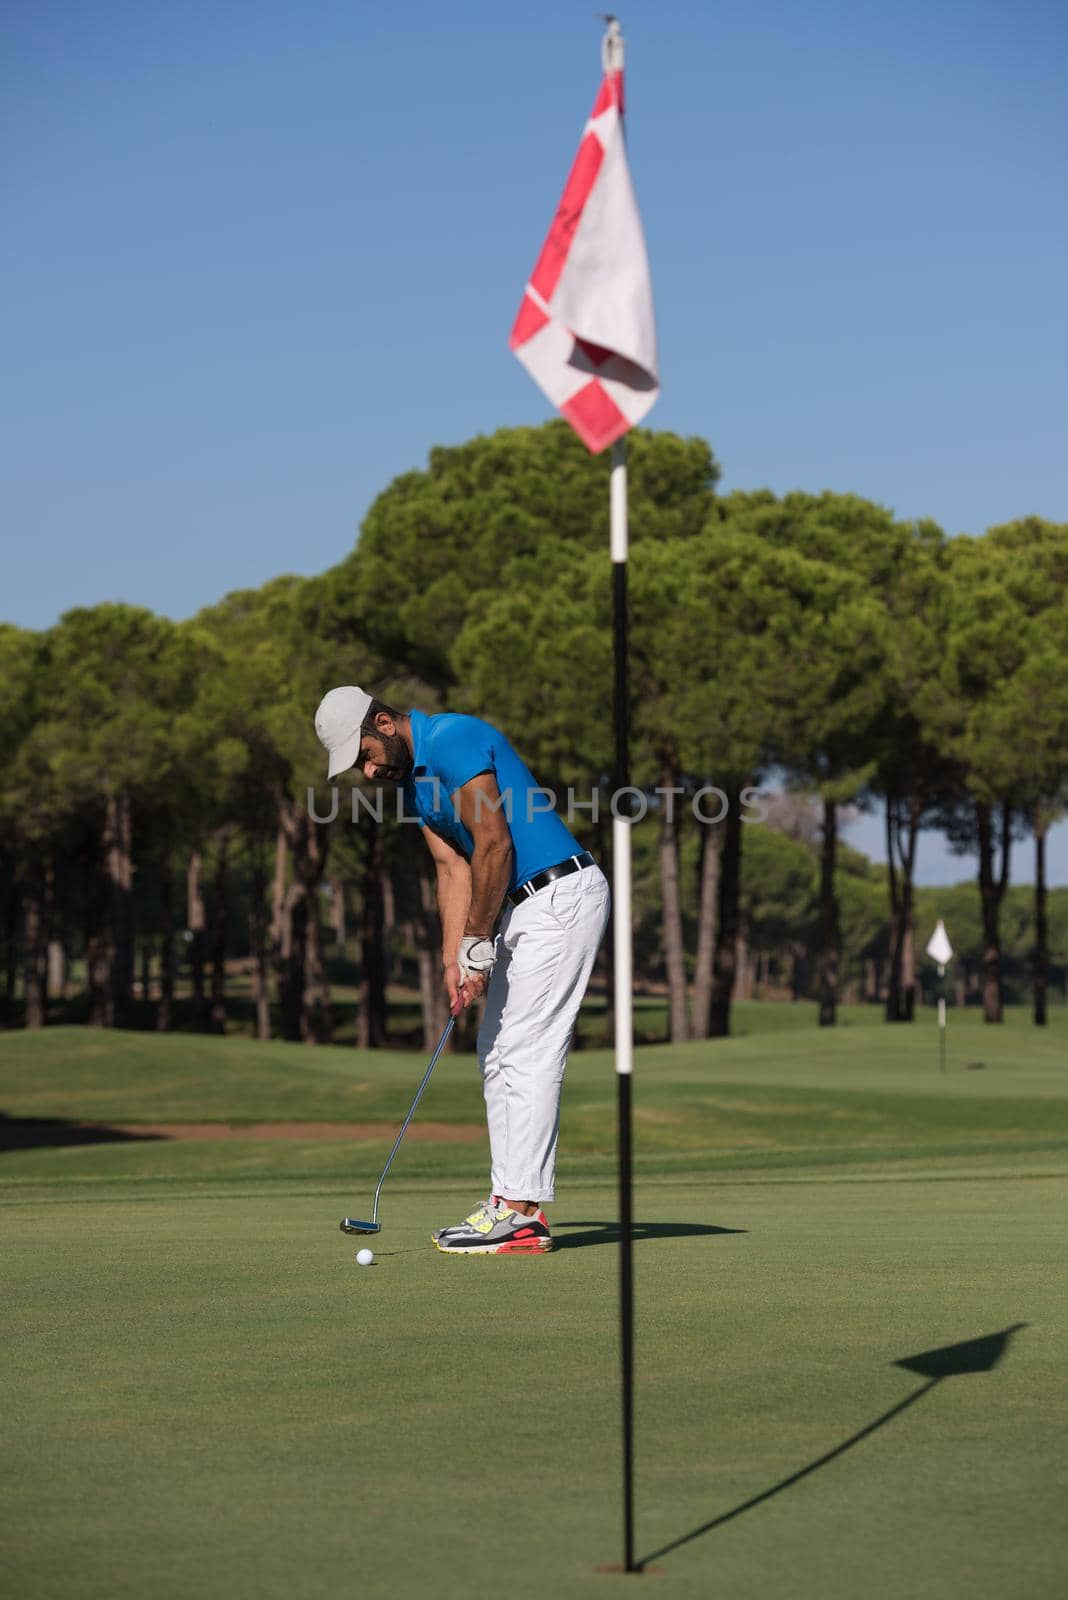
{"points": [[397, 759]]}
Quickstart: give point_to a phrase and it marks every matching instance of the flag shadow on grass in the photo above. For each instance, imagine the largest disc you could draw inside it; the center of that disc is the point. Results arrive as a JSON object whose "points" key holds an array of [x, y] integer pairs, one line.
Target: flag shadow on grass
{"points": [[608, 1232], [952, 1360], [37, 1133]]}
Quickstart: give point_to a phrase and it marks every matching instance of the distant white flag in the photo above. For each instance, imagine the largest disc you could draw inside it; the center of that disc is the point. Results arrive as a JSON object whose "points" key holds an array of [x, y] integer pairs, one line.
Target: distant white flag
{"points": [[585, 330], [938, 946]]}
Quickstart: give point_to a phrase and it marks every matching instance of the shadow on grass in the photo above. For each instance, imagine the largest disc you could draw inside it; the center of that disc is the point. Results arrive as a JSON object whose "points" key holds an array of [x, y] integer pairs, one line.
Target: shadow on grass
{"points": [[608, 1232], [40, 1133], [952, 1360]]}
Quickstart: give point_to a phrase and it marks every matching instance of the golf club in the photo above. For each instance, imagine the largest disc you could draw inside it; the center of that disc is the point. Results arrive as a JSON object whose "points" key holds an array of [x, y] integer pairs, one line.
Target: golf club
{"points": [[350, 1224]]}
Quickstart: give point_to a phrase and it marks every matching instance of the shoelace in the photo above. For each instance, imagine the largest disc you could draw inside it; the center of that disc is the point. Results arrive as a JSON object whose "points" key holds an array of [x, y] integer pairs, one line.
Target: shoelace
{"points": [[488, 1208]]}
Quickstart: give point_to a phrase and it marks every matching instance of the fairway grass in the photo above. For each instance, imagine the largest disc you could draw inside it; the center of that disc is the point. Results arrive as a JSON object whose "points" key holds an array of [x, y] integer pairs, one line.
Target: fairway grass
{"points": [[206, 1397], [861, 1095]]}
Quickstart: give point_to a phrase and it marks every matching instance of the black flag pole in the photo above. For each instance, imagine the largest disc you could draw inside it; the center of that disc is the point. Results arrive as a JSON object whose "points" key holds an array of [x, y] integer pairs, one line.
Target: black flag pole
{"points": [[586, 333], [623, 953]]}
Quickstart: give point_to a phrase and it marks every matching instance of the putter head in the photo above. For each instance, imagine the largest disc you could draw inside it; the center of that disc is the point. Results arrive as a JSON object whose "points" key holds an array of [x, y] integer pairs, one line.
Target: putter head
{"points": [[350, 1225]]}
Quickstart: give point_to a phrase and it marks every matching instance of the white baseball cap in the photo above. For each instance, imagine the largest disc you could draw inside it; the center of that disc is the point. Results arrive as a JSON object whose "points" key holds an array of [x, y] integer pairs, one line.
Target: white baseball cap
{"points": [[338, 721]]}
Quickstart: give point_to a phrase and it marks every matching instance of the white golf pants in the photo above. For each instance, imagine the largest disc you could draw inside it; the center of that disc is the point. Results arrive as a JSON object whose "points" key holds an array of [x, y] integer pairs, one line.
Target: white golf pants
{"points": [[546, 947]]}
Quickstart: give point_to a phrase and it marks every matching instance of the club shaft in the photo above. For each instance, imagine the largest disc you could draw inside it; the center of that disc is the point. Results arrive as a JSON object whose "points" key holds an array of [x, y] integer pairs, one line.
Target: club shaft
{"points": [[411, 1112]]}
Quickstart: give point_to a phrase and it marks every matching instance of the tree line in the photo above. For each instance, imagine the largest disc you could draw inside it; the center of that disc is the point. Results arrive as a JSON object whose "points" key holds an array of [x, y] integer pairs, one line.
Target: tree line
{"points": [[156, 776]]}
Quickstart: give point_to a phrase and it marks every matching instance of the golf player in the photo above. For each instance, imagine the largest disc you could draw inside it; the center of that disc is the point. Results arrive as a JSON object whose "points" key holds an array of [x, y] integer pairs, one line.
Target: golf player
{"points": [[523, 910]]}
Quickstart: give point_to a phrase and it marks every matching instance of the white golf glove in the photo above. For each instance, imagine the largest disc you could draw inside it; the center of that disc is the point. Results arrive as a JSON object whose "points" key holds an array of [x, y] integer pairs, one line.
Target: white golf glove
{"points": [[476, 956]]}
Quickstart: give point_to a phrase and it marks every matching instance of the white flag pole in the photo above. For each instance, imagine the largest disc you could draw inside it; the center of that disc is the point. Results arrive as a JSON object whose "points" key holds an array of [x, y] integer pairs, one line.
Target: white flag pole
{"points": [[623, 993], [621, 889], [941, 951], [585, 332], [622, 938]]}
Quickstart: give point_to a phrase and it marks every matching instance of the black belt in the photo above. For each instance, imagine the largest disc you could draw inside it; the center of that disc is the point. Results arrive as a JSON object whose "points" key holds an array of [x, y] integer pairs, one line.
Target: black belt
{"points": [[563, 869]]}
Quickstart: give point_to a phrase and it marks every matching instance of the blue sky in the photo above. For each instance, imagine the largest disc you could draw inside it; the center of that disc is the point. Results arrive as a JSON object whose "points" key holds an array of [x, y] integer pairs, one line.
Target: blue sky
{"points": [[260, 257]]}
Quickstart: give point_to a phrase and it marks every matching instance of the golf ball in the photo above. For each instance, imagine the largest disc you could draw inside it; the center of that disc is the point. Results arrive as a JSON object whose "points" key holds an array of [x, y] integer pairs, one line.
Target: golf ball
{"points": [[365, 1257]]}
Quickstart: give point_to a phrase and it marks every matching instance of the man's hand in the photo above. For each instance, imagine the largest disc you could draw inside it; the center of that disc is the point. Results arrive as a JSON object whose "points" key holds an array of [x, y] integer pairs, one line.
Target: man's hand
{"points": [[463, 990], [477, 956]]}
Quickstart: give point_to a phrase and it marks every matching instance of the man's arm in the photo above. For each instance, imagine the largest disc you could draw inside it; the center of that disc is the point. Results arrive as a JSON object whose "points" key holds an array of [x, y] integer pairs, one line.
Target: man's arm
{"points": [[481, 810], [454, 893]]}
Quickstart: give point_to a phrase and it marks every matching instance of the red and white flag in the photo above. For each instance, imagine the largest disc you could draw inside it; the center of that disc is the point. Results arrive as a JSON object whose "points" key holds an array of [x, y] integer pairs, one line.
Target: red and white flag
{"points": [[585, 330]]}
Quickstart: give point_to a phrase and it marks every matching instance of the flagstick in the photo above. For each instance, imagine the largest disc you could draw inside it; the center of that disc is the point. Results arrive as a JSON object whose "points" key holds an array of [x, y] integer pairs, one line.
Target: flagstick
{"points": [[623, 950], [941, 1021], [608, 288]]}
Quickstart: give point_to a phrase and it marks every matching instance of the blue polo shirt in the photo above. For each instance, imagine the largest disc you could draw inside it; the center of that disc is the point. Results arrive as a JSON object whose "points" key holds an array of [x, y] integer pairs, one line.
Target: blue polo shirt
{"points": [[450, 750]]}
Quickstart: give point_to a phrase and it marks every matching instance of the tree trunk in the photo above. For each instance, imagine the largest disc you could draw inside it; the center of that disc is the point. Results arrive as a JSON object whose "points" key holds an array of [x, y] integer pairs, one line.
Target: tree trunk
{"points": [[57, 969], [992, 883], [671, 909], [798, 971], [11, 944], [389, 926], [431, 987], [289, 959], [278, 890], [743, 971], [219, 892], [901, 868], [371, 1026], [52, 953], [730, 879], [99, 953], [119, 868], [196, 923], [1041, 956], [34, 945], [303, 988], [316, 1021], [337, 913], [287, 935], [257, 933], [707, 907], [908, 967], [165, 1007], [829, 934]]}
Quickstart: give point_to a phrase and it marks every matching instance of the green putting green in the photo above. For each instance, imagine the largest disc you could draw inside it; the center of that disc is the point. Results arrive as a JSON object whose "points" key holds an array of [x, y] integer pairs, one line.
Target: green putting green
{"points": [[207, 1397]]}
